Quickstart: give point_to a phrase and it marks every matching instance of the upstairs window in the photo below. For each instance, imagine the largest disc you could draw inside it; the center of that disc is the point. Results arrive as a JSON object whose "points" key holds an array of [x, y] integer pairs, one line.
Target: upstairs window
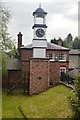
{"points": [[51, 56], [62, 57]]}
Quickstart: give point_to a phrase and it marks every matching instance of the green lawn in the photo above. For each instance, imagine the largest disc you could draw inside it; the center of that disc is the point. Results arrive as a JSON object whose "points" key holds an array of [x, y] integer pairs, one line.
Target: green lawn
{"points": [[50, 104]]}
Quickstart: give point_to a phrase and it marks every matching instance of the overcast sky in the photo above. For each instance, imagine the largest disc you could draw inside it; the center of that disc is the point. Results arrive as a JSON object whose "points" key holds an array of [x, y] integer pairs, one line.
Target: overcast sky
{"points": [[61, 20]]}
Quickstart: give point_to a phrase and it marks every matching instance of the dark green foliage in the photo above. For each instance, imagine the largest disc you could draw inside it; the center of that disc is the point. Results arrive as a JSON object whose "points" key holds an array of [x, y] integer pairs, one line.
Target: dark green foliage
{"points": [[4, 63], [14, 53], [76, 43], [67, 44], [54, 41], [75, 102]]}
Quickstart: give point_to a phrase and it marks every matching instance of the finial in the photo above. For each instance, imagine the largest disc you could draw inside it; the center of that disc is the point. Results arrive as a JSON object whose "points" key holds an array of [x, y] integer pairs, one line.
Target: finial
{"points": [[40, 5]]}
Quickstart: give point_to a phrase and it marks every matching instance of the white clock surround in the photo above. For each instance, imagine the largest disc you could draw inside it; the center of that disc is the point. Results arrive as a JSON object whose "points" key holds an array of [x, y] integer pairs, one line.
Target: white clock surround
{"points": [[39, 43]]}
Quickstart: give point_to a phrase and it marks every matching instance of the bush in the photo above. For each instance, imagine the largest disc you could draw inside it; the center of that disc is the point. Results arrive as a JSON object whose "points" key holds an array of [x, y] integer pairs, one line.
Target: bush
{"points": [[75, 102]]}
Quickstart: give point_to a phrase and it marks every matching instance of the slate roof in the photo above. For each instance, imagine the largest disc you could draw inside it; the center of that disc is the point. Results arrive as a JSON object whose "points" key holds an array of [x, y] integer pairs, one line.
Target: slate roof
{"points": [[39, 12], [74, 52], [14, 64], [49, 46], [55, 47]]}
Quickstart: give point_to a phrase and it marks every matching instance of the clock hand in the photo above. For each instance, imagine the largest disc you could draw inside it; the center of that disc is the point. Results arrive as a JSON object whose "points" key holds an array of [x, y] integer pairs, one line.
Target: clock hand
{"points": [[41, 33]]}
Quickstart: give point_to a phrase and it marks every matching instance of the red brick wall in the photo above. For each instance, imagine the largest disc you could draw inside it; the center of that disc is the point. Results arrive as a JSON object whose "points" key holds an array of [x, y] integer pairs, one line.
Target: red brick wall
{"points": [[12, 77], [39, 75], [57, 52], [25, 70], [55, 70], [26, 54], [54, 66]]}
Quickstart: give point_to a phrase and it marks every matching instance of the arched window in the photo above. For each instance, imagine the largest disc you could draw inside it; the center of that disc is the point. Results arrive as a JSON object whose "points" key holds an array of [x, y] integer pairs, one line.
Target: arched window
{"points": [[62, 70]]}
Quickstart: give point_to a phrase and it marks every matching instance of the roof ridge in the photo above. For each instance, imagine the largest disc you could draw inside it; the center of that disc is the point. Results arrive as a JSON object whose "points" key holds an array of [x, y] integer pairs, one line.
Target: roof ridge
{"points": [[49, 46]]}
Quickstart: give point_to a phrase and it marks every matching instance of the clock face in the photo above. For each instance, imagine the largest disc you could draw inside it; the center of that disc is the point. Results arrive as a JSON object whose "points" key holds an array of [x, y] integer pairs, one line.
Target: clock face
{"points": [[40, 32]]}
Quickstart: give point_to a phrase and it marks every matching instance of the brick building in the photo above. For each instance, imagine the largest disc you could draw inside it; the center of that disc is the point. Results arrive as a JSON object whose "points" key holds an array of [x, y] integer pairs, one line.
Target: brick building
{"points": [[58, 58], [41, 62]]}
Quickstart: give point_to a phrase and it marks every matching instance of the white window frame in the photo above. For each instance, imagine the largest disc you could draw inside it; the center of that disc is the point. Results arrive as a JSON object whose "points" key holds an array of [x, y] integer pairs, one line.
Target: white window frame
{"points": [[52, 58], [62, 57]]}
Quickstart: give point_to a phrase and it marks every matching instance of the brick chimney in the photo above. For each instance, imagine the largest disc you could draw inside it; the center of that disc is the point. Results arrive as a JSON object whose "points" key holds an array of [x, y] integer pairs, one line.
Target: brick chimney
{"points": [[19, 40], [60, 42]]}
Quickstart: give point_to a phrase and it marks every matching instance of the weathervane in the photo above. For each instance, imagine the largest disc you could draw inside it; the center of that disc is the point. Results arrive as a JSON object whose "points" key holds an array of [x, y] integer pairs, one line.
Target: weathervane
{"points": [[39, 5]]}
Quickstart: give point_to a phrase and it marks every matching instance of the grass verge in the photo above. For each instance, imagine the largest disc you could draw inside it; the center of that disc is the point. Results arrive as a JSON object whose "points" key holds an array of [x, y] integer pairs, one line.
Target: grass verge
{"points": [[52, 103]]}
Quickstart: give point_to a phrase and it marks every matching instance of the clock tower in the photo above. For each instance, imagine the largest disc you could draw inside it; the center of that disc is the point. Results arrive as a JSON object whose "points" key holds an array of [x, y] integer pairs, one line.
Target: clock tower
{"points": [[39, 64], [39, 33]]}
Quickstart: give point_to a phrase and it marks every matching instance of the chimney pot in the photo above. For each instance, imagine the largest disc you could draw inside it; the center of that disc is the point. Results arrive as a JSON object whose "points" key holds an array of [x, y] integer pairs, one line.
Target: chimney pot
{"points": [[19, 40], [60, 42]]}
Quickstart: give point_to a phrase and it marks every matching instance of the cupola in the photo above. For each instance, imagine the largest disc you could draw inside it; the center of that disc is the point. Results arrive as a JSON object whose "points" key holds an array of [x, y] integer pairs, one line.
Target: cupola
{"points": [[39, 12]]}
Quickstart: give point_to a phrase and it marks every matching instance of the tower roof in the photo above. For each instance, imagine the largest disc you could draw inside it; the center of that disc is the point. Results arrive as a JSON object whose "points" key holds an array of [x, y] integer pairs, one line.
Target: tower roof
{"points": [[39, 12]]}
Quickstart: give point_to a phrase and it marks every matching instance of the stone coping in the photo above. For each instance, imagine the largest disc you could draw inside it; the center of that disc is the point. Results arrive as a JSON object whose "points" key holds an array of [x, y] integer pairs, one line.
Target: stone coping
{"points": [[67, 85]]}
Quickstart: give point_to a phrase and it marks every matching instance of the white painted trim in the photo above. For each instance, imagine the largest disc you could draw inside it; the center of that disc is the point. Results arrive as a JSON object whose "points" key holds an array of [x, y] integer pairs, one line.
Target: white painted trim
{"points": [[62, 60], [52, 60]]}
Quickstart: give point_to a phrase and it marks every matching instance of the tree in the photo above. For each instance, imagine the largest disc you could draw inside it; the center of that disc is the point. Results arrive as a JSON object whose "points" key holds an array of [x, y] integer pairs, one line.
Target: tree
{"points": [[4, 64], [75, 102], [76, 43], [14, 53], [5, 39], [54, 41], [6, 42], [67, 44]]}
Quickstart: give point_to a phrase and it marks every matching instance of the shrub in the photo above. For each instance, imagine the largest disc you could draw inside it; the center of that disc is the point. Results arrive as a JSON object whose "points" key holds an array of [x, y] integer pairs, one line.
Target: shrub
{"points": [[75, 102]]}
